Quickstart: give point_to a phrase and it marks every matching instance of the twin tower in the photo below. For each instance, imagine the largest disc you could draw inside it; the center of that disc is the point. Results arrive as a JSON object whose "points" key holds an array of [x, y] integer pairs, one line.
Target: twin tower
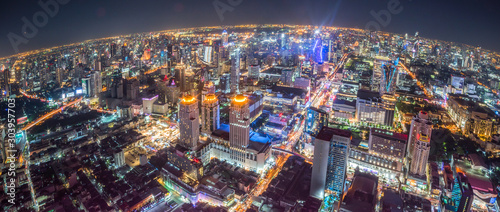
{"points": [[189, 120]]}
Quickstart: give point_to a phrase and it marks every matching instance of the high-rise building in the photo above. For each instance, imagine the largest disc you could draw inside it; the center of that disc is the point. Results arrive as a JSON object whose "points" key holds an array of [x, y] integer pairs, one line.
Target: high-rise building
{"points": [[210, 114], [318, 50], [131, 89], [387, 144], [95, 83], [388, 79], [239, 122], [225, 83], [207, 54], [462, 194], [419, 139], [235, 70], [331, 151], [6, 82], [316, 119], [189, 122], [86, 88], [375, 109], [254, 71], [60, 75], [287, 77], [225, 38]]}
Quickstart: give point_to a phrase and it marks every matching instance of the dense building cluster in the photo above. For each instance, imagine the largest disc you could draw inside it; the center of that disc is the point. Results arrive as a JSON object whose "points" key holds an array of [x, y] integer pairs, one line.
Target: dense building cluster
{"points": [[253, 118]]}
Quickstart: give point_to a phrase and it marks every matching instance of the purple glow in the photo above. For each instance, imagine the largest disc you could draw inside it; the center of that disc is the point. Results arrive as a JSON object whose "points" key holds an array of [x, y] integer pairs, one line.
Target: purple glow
{"points": [[150, 98]]}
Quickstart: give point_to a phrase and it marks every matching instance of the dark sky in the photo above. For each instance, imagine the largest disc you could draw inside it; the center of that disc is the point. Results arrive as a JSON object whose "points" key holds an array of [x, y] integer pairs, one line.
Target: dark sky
{"points": [[472, 22]]}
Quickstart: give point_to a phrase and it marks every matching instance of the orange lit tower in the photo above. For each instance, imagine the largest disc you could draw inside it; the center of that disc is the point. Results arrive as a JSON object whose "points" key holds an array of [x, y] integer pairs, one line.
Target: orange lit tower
{"points": [[239, 122], [189, 122]]}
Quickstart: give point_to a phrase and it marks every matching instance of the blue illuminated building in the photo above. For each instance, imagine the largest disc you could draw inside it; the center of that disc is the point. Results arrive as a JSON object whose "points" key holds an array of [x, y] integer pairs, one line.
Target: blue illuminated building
{"points": [[315, 120]]}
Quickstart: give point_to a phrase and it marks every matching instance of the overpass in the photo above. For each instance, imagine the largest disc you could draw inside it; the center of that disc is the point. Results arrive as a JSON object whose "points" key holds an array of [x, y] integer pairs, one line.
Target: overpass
{"points": [[292, 153]]}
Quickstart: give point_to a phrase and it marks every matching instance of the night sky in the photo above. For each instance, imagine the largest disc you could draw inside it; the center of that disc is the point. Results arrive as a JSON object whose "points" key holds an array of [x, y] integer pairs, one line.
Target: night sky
{"points": [[472, 22]]}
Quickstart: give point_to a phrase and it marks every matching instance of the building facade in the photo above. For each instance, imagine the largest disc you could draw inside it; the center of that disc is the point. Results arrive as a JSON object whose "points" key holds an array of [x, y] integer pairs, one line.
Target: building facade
{"points": [[375, 109], [189, 122], [419, 140], [331, 152], [210, 113]]}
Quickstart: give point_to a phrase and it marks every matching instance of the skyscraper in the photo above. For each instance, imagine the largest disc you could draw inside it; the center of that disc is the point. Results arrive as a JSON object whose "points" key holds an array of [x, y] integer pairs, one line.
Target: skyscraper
{"points": [[318, 50], [207, 54], [254, 71], [388, 79], [210, 114], [239, 122], [419, 139], [235, 70], [331, 150], [96, 83], [189, 122], [225, 38], [6, 82], [315, 120], [225, 83]]}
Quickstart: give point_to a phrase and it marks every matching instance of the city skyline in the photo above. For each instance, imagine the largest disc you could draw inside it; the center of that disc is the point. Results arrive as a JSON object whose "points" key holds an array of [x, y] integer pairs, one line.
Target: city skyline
{"points": [[250, 117], [68, 26]]}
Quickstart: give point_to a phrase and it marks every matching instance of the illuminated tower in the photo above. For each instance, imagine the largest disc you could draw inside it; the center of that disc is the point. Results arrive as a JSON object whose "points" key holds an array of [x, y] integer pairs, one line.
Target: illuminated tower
{"points": [[210, 114], [318, 50], [420, 138], [225, 38], [189, 122], [235, 70], [239, 122]]}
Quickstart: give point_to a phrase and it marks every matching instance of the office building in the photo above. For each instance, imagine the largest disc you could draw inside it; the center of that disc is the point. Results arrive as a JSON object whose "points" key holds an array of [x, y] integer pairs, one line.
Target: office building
{"points": [[235, 71], [207, 54], [189, 122], [331, 151], [316, 119], [210, 114], [148, 104], [225, 83], [387, 144], [419, 139], [388, 79], [375, 109], [119, 158], [225, 38], [287, 77], [462, 194], [5, 82], [254, 71], [239, 121], [95, 83]]}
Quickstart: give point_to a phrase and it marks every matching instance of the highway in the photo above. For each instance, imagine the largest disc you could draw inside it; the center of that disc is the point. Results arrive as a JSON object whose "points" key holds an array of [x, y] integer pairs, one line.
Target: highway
{"points": [[50, 114]]}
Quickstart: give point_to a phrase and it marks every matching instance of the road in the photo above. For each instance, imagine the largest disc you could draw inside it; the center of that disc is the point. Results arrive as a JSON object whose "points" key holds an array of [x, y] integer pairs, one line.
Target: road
{"points": [[50, 114], [263, 183], [415, 78]]}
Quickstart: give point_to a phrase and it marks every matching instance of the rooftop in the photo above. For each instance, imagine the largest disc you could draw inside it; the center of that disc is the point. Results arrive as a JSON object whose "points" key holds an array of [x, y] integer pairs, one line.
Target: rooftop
{"points": [[389, 134], [326, 133]]}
